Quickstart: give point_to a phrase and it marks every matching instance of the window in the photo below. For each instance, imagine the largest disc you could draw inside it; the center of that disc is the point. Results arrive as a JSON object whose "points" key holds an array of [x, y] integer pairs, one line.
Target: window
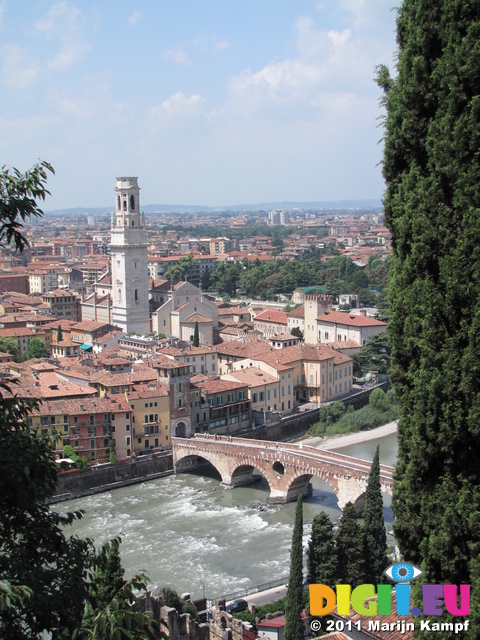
{"points": [[254, 398]]}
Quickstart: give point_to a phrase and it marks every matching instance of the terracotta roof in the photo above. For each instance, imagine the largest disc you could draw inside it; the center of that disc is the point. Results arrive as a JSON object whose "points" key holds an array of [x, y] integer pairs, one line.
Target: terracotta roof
{"points": [[215, 385], [339, 317], [159, 390], [89, 325], [253, 376], [298, 312], [197, 317], [272, 315]]}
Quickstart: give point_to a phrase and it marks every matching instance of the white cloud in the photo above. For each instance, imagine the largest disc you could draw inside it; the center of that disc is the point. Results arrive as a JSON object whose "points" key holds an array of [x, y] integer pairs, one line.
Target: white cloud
{"points": [[17, 69], [178, 109], [64, 24], [3, 6], [178, 56], [134, 18], [220, 45], [60, 15], [327, 60]]}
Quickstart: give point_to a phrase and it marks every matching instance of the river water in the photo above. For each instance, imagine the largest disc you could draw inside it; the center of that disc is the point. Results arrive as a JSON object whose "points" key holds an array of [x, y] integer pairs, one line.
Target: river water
{"points": [[190, 534]]}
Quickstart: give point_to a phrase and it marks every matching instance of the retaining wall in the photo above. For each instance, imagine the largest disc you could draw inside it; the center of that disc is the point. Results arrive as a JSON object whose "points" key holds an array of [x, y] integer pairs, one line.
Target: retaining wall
{"points": [[75, 484]]}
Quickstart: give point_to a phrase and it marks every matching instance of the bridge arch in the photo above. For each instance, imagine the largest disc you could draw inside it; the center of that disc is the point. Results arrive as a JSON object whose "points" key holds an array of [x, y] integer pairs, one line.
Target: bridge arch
{"points": [[287, 467]]}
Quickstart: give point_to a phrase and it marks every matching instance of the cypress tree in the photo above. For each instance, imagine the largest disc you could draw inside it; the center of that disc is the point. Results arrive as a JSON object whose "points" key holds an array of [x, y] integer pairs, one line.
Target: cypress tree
{"points": [[349, 541], [374, 534], [432, 207], [321, 552], [196, 339], [293, 601], [59, 334]]}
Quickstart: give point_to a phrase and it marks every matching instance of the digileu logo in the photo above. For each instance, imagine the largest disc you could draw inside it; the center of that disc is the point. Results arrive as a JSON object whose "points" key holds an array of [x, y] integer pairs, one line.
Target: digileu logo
{"points": [[435, 596]]}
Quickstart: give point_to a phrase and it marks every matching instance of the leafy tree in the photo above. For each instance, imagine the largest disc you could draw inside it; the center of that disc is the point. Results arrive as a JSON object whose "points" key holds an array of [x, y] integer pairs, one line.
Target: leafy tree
{"points": [[294, 601], [375, 354], [37, 349], [34, 551], [112, 454], [19, 193], [180, 271], [196, 339], [8, 345], [432, 207], [349, 542], [375, 536], [322, 553], [296, 331], [45, 574]]}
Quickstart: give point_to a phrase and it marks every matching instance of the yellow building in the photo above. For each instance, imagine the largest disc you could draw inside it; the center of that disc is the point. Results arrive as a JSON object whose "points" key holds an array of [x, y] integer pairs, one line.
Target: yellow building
{"points": [[150, 416]]}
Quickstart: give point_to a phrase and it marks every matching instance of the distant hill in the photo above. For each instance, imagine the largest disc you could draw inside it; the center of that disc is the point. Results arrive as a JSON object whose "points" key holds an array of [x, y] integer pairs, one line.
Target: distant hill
{"points": [[264, 206]]}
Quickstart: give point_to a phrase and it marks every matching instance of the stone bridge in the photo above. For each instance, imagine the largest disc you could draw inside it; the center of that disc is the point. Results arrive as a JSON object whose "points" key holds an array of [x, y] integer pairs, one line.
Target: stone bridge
{"points": [[287, 467]]}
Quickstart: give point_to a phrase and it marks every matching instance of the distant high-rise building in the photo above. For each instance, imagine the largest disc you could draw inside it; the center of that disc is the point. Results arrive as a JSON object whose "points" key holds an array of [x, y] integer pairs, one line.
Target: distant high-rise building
{"points": [[129, 260]]}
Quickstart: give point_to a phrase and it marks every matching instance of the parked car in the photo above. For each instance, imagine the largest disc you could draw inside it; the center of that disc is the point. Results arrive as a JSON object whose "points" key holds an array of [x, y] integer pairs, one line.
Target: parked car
{"points": [[236, 606]]}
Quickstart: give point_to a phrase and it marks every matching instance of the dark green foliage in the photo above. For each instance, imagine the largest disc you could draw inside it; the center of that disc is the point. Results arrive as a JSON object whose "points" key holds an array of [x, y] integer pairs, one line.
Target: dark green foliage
{"points": [[294, 601], [196, 338], [44, 575], [37, 349], [375, 355], [264, 279], [34, 551], [9, 345], [19, 193], [349, 541], [380, 410], [107, 577], [172, 599], [69, 452], [59, 334], [432, 207], [375, 536], [180, 271], [296, 331], [112, 454], [322, 553]]}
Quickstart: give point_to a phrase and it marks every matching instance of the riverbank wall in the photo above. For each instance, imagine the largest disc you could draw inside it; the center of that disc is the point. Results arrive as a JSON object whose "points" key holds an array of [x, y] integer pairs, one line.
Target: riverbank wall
{"points": [[97, 479], [78, 483]]}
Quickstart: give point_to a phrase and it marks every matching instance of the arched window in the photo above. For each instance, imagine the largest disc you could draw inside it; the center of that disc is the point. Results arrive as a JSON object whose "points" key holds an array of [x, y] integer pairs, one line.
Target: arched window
{"points": [[124, 205], [132, 203], [118, 202]]}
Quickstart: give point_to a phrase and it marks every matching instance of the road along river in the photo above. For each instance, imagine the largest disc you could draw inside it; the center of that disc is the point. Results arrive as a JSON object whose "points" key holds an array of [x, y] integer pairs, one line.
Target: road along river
{"points": [[192, 535]]}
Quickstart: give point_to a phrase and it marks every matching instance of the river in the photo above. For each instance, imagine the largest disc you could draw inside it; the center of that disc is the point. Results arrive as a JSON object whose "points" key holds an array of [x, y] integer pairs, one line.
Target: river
{"points": [[189, 533]]}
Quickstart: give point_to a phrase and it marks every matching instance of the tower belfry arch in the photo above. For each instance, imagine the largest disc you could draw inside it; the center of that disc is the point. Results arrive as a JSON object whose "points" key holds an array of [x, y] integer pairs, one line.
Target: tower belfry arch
{"points": [[129, 260]]}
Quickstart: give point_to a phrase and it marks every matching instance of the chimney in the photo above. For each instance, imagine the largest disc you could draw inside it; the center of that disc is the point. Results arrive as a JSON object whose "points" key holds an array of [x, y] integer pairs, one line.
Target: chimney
{"points": [[363, 312]]}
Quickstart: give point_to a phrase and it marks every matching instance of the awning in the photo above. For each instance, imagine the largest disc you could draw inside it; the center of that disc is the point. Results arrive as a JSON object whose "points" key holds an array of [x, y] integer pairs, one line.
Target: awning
{"points": [[86, 347]]}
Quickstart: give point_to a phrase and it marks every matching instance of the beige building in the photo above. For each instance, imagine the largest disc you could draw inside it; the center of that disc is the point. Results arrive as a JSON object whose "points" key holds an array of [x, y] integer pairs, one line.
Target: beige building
{"points": [[263, 388], [150, 417]]}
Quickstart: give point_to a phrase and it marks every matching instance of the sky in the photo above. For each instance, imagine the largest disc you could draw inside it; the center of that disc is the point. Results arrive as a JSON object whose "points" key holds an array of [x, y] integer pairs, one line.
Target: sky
{"points": [[208, 102]]}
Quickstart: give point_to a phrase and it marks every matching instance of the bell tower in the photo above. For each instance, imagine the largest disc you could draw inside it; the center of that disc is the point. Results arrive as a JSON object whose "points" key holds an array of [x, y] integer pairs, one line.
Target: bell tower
{"points": [[129, 260]]}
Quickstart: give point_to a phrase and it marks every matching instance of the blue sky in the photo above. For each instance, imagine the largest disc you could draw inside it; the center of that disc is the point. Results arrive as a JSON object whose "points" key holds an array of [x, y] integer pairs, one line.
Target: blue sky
{"points": [[208, 102]]}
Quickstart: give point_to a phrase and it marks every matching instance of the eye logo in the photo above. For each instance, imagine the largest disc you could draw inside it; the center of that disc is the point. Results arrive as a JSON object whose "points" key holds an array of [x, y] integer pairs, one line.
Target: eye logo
{"points": [[402, 572]]}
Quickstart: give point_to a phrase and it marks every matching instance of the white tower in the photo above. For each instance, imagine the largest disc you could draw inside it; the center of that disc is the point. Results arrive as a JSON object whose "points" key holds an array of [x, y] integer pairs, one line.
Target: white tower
{"points": [[129, 258]]}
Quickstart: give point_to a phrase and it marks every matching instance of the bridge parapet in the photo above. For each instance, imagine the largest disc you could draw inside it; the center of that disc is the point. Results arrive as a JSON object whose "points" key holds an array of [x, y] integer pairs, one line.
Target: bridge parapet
{"points": [[287, 467]]}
